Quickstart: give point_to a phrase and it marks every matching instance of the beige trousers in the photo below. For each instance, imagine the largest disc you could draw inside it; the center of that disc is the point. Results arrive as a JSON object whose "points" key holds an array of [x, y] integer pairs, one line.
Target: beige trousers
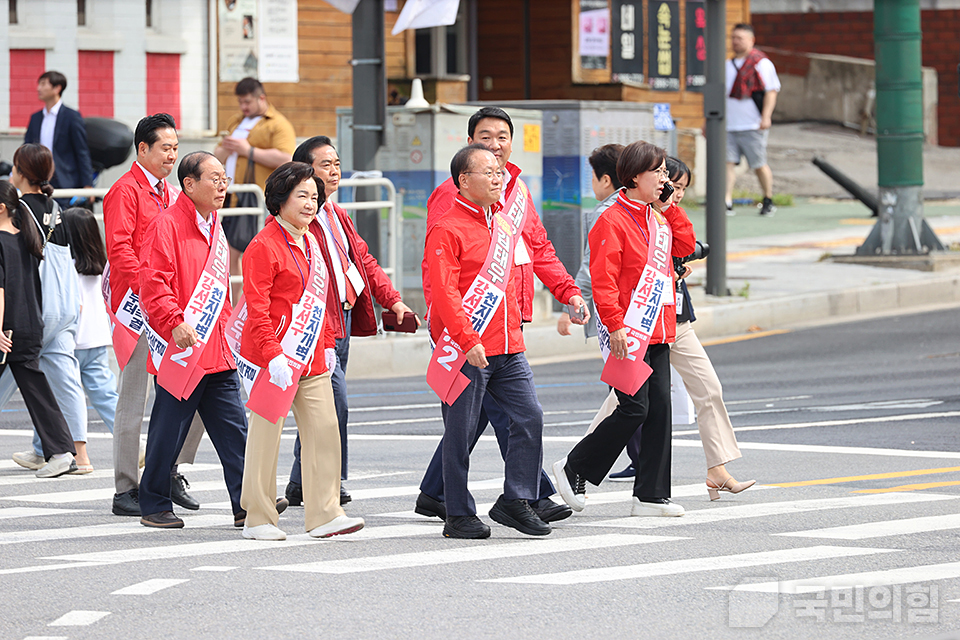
{"points": [[700, 378], [316, 417]]}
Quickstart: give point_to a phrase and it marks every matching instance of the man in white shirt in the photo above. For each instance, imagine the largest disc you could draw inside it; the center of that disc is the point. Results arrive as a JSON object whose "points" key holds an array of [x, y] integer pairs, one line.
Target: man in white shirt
{"points": [[752, 88]]}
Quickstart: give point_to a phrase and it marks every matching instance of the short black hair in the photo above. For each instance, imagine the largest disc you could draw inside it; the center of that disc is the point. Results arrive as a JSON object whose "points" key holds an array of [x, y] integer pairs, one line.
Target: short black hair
{"points": [[284, 180], [304, 152], [742, 26], [603, 160], [488, 112], [190, 166], [56, 79], [462, 159], [249, 86], [677, 168], [636, 158], [147, 128]]}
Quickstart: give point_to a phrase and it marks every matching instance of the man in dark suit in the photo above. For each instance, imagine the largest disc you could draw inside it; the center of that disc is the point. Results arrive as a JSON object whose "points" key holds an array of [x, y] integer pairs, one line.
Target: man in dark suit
{"points": [[61, 129]]}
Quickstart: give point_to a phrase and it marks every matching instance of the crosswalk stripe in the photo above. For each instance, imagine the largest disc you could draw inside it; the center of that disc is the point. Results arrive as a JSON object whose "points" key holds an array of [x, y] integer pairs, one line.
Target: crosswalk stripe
{"points": [[904, 575], [149, 587], [29, 512], [78, 618], [471, 554], [127, 527], [881, 529], [691, 565], [764, 509], [91, 495]]}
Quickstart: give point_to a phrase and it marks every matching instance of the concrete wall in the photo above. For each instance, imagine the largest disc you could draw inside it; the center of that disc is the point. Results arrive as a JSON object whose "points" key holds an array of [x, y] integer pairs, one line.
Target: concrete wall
{"points": [[836, 89]]}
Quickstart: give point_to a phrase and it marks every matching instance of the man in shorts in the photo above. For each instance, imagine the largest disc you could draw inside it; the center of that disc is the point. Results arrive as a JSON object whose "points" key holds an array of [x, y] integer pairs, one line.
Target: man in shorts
{"points": [[752, 87]]}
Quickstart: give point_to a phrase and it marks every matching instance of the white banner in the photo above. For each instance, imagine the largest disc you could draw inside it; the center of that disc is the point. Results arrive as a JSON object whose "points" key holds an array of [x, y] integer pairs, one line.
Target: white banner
{"points": [[422, 14]]}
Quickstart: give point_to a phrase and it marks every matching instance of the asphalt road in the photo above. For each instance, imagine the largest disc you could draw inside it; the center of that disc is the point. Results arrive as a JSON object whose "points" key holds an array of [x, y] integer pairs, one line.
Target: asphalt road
{"points": [[850, 431]]}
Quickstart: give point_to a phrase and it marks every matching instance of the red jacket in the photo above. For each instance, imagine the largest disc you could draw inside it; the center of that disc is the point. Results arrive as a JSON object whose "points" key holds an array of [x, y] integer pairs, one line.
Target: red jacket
{"points": [[272, 284], [129, 206], [544, 263], [175, 251], [376, 284], [456, 249], [618, 255]]}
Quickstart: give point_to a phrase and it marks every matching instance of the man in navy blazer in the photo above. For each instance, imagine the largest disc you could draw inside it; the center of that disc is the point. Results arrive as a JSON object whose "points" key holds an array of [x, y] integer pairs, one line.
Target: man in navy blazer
{"points": [[61, 129]]}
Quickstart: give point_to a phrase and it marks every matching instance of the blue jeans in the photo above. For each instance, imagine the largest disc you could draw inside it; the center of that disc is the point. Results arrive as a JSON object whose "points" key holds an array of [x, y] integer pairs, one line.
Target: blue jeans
{"points": [[338, 378], [217, 400], [492, 413], [509, 381]]}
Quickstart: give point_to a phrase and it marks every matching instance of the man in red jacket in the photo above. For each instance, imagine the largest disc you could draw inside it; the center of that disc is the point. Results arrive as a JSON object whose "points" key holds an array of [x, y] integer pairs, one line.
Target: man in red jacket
{"points": [[184, 245], [356, 281], [458, 249], [492, 127], [133, 201]]}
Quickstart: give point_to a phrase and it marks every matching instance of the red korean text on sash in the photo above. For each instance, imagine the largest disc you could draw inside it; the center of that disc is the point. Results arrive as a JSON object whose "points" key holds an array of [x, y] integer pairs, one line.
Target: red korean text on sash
{"points": [[299, 342], [653, 292], [482, 299], [178, 372]]}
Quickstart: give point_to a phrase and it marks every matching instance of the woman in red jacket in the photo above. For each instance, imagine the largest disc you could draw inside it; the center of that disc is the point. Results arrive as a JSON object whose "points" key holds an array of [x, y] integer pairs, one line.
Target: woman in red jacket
{"points": [[621, 255], [283, 275]]}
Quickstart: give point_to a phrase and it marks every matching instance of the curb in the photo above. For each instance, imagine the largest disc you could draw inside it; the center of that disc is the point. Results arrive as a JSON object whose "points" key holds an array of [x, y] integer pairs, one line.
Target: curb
{"points": [[408, 355]]}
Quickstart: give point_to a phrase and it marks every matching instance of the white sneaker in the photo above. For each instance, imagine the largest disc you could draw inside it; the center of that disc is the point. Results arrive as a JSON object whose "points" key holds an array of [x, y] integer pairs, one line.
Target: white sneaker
{"points": [[263, 532], [338, 526], [662, 508], [56, 467], [573, 491], [29, 460]]}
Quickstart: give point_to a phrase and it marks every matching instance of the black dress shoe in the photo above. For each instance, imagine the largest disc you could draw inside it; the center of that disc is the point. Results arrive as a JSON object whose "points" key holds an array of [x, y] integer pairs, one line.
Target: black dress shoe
{"points": [[240, 517], [162, 520], [344, 496], [550, 511], [519, 515], [294, 494], [468, 527], [430, 507], [179, 495], [127, 503]]}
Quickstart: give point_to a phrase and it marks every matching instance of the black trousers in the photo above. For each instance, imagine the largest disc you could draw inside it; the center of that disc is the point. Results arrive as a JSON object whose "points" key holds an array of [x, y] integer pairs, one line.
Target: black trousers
{"points": [[650, 408], [43, 408]]}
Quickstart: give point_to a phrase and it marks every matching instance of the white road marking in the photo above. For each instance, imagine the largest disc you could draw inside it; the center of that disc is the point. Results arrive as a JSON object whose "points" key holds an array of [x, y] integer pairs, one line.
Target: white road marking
{"points": [[30, 512], [881, 529], [829, 449], [51, 567], [841, 423], [905, 575], [149, 587], [79, 618], [129, 526], [214, 568], [731, 403], [90, 495], [691, 565], [767, 509], [471, 554], [46, 638]]}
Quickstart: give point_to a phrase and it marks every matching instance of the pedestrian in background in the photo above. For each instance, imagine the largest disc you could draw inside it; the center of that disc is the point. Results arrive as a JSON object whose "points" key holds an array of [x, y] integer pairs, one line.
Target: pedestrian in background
{"points": [[21, 250]]}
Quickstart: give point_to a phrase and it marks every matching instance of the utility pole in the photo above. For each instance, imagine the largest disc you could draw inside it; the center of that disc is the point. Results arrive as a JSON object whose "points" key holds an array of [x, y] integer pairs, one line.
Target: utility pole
{"points": [[714, 109], [901, 228], [369, 107]]}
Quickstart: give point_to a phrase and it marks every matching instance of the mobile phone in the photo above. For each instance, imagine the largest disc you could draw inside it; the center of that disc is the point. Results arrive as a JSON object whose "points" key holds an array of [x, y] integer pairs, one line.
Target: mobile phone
{"points": [[3, 356], [667, 192], [390, 322], [576, 313]]}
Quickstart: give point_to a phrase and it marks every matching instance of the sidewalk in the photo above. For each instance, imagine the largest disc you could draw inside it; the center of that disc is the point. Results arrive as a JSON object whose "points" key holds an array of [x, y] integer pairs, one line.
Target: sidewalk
{"points": [[778, 270]]}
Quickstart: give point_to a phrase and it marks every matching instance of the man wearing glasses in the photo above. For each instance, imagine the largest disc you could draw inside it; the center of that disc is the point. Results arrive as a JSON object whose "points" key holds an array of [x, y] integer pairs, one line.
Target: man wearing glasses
{"points": [[534, 254], [184, 283]]}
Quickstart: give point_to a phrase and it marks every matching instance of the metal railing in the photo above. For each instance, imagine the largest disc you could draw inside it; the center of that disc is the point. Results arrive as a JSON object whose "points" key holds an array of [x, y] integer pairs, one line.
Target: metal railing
{"points": [[394, 202]]}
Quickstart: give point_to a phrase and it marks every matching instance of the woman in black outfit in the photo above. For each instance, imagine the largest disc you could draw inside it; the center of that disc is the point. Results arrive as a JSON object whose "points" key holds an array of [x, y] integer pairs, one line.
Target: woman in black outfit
{"points": [[20, 302]]}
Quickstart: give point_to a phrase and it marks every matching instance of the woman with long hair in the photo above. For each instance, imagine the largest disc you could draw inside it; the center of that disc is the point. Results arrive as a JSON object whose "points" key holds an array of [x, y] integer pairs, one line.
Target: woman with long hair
{"points": [[21, 249], [32, 170]]}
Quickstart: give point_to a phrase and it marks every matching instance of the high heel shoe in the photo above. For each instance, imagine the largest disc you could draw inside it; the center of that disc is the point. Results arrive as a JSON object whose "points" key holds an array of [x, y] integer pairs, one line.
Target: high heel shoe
{"points": [[729, 485]]}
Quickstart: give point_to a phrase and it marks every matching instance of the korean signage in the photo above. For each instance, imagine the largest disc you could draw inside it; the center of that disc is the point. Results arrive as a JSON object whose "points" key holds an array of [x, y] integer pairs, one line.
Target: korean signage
{"points": [[696, 45], [594, 33], [627, 40], [664, 39], [258, 38]]}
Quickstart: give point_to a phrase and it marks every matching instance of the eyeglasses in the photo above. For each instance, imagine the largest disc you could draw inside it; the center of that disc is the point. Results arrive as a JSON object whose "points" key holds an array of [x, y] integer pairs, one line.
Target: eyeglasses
{"points": [[487, 174], [222, 181]]}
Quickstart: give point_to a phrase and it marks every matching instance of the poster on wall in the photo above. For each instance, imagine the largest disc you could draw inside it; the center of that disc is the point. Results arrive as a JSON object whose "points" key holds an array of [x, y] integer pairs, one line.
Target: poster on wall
{"points": [[279, 52], [696, 45], [258, 38], [627, 40], [664, 38], [594, 33]]}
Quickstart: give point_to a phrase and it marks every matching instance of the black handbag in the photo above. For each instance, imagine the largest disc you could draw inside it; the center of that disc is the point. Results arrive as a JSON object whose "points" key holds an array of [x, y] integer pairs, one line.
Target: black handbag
{"points": [[240, 230]]}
